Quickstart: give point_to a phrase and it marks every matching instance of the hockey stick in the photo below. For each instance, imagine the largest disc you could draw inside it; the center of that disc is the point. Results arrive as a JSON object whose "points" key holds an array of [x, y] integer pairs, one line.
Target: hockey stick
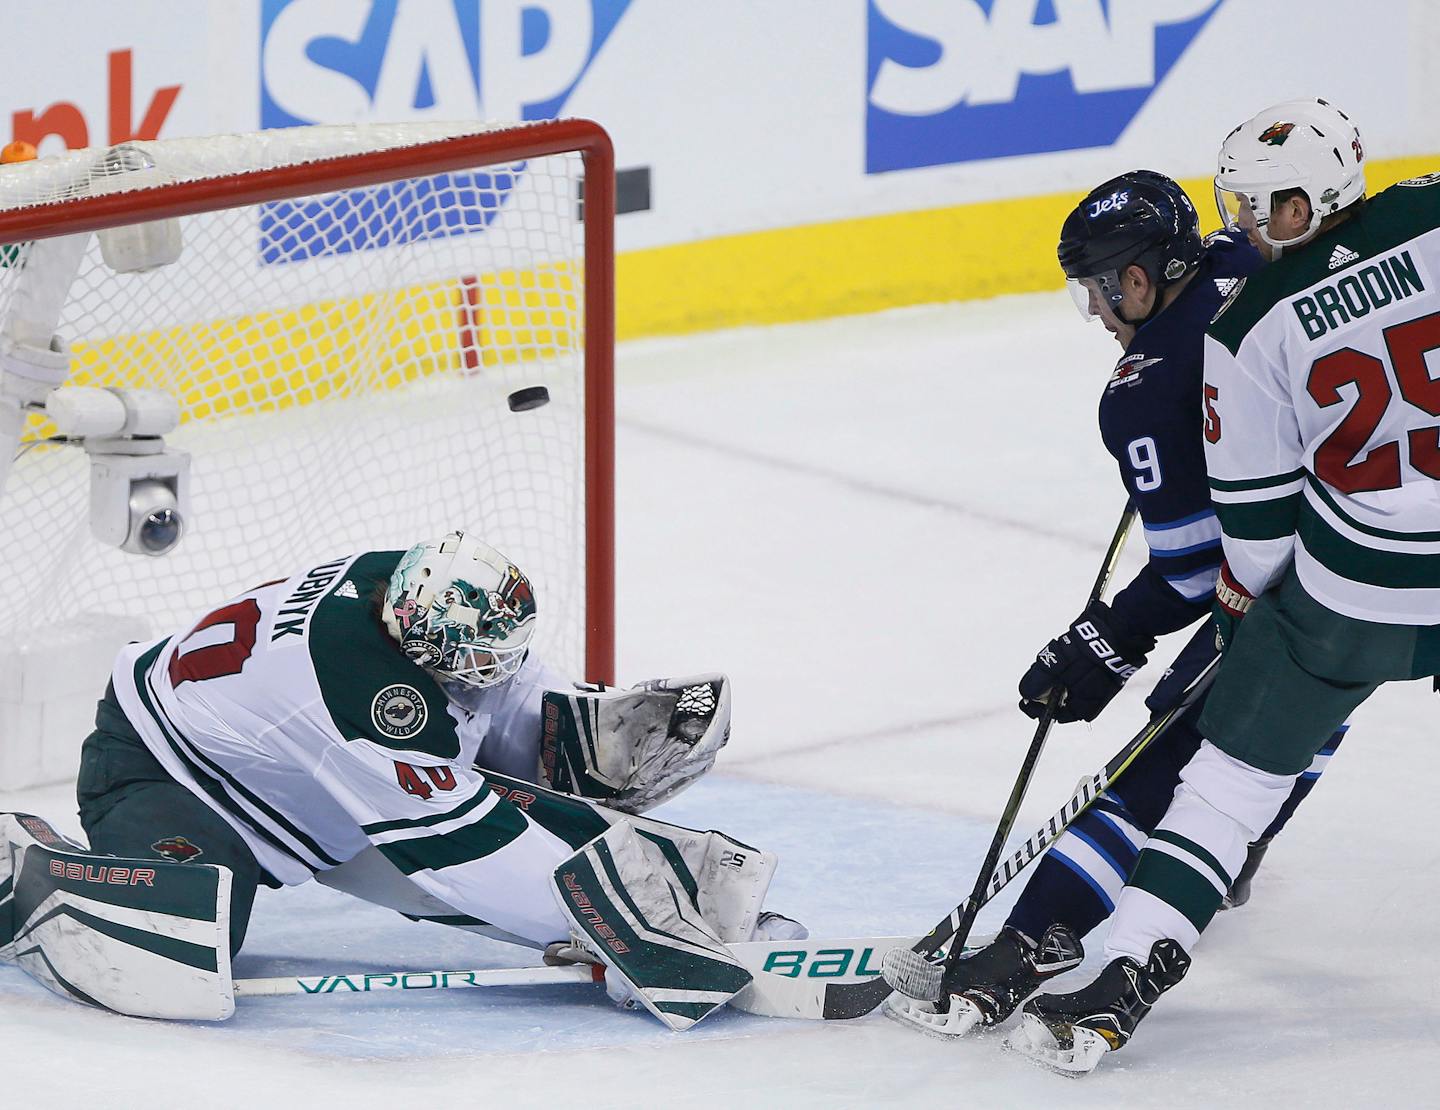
{"points": [[819, 999], [858, 999], [776, 965], [918, 974]]}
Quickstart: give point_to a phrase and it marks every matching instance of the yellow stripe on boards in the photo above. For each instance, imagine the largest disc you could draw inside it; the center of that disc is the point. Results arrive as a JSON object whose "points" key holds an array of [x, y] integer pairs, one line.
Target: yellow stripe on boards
{"points": [[270, 361], [266, 362], [864, 265]]}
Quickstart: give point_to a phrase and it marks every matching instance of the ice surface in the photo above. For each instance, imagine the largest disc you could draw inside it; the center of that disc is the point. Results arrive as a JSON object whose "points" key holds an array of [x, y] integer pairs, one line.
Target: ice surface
{"points": [[871, 524]]}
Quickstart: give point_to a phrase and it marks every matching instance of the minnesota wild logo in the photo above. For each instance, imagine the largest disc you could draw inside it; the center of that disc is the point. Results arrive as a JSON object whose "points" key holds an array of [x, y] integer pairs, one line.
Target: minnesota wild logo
{"points": [[177, 848], [1277, 133]]}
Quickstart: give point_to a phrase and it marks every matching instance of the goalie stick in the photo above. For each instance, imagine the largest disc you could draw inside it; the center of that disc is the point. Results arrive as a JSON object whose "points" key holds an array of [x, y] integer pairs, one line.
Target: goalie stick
{"points": [[781, 969], [859, 999]]}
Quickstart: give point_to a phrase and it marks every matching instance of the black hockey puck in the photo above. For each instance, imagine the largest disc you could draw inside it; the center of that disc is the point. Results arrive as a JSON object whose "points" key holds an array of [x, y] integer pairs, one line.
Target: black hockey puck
{"points": [[531, 397]]}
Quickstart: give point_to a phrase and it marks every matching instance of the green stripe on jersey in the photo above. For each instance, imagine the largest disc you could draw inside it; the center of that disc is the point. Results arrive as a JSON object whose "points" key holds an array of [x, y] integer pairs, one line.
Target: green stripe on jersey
{"points": [[1199, 852], [1260, 520], [1395, 570], [1178, 885], [1379, 533], [433, 819], [464, 845], [1244, 484]]}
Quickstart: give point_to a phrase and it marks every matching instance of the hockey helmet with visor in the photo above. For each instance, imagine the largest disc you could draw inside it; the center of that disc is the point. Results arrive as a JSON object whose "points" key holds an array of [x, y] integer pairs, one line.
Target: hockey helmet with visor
{"points": [[1305, 145], [1141, 218]]}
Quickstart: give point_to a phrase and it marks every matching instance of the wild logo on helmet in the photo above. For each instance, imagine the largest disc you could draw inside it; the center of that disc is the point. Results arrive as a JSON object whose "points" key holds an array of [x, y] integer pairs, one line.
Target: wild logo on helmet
{"points": [[1277, 133]]}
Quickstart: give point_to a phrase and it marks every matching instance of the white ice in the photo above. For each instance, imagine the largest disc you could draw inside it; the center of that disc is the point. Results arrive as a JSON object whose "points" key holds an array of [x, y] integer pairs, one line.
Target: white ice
{"points": [[871, 524]]}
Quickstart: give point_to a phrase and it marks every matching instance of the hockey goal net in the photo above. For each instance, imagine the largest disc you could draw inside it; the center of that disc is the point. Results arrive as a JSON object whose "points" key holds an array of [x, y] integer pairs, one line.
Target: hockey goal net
{"points": [[350, 310]]}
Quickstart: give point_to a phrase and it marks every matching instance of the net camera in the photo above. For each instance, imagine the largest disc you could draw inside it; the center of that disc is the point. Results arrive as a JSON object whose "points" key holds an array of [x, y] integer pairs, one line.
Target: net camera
{"points": [[139, 487]]}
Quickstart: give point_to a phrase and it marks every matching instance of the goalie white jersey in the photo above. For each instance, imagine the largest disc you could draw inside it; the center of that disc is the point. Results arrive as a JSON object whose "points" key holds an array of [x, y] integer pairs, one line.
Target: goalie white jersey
{"points": [[291, 712]]}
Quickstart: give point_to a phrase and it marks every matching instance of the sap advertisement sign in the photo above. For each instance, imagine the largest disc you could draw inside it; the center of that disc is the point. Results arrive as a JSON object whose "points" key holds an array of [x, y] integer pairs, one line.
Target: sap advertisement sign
{"points": [[965, 80], [348, 61]]}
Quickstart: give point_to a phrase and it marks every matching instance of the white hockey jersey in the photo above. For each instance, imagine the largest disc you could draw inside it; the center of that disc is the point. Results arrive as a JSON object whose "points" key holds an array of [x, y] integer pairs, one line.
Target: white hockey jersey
{"points": [[292, 713], [1322, 414]]}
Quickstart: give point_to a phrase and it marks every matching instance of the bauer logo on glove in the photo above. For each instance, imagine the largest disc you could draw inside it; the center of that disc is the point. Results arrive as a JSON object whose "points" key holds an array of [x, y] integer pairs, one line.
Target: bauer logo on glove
{"points": [[1085, 666]]}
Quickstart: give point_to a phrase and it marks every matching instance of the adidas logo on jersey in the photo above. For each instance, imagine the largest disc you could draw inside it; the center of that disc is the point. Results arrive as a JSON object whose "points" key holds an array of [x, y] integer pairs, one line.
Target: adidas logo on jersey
{"points": [[1342, 256], [1226, 286], [347, 589]]}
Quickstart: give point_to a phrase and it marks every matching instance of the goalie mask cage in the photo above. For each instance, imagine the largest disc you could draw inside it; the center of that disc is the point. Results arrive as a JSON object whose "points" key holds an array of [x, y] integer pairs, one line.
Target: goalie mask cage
{"points": [[350, 309]]}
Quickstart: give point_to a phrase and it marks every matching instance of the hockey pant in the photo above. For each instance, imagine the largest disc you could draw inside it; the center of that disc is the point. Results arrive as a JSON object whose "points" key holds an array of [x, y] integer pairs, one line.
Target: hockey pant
{"points": [[131, 807]]}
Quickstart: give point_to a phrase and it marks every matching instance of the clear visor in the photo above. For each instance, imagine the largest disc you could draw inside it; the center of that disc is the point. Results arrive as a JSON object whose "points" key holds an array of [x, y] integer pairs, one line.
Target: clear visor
{"points": [[1241, 211], [1097, 296]]}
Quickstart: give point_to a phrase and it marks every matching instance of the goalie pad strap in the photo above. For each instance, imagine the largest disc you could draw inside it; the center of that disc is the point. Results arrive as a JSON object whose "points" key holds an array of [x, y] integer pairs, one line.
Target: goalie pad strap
{"points": [[626, 904]]}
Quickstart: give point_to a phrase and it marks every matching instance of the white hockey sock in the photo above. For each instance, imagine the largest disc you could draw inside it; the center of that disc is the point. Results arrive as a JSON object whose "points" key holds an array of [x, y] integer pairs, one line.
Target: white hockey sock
{"points": [[1194, 854]]}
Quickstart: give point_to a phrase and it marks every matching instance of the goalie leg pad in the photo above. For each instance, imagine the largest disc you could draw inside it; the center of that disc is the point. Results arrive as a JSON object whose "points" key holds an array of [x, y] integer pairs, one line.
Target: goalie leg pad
{"points": [[726, 879], [627, 904], [140, 937]]}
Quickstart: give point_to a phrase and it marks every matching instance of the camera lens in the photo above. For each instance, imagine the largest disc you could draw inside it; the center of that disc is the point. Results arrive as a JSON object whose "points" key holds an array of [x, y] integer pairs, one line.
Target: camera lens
{"points": [[159, 531], [155, 521]]}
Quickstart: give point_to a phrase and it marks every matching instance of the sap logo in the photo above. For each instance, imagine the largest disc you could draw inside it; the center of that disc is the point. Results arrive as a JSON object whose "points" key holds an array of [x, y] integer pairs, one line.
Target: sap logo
{"points": [[964, 80], [352, 61], [1111, 203]]}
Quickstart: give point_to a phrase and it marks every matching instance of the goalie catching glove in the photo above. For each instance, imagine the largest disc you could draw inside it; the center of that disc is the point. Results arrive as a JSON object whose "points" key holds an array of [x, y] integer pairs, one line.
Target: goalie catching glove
{"points": [[1085, 666], [632, 749]]}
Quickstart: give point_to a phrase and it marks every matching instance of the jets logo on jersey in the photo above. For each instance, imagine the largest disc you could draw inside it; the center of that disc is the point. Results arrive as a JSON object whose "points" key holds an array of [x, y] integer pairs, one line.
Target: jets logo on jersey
{"points": [[1127, 370], [398, 711], [177, 848]]}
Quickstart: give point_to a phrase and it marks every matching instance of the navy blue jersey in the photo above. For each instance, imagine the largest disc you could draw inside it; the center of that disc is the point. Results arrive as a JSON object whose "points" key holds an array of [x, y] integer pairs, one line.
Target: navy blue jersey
{"points": [[1151, 418]]}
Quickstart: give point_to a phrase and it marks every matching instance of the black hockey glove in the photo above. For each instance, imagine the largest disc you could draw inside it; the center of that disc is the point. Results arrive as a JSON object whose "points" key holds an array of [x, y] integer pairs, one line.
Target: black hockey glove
{"points": [[1088, 663]]}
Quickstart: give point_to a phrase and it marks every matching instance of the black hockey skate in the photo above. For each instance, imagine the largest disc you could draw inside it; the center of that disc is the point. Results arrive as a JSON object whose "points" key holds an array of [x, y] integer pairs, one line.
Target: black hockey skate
{"points": [[1069, 1033], [1239, 892], [982, 987]]}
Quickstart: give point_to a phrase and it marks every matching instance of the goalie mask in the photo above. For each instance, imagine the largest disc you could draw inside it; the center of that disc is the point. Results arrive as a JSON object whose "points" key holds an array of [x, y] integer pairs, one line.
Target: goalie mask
{"points": [[461, 609], [1308, 145]]}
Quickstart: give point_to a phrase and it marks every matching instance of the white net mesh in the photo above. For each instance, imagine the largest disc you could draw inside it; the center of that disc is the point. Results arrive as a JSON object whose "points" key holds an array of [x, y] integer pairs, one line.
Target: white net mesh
{"points": [[342, 362]]}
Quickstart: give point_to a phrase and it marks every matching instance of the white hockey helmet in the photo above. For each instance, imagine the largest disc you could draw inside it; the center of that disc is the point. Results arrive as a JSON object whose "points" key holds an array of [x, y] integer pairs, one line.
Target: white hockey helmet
{"points": [[460, 608], [1297, 144]]}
